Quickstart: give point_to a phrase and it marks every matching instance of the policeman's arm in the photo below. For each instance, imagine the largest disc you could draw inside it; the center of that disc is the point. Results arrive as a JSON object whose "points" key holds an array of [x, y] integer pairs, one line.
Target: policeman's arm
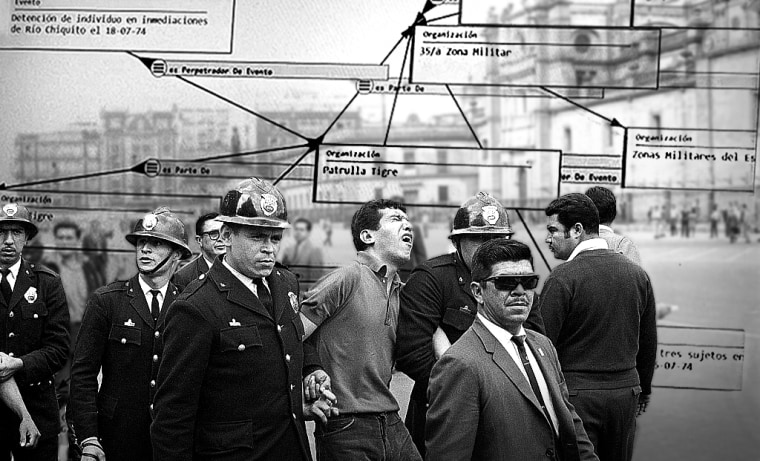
{"points": [[11, 397], [188, 338], [553, 305], [419, 317], [40, 364], [88, 356]]}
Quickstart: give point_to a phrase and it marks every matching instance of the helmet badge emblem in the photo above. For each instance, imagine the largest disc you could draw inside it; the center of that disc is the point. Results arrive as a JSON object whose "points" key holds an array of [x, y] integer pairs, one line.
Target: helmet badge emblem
{"points": [[490, 214], [149, 221], [268, 204], [10, 209]]}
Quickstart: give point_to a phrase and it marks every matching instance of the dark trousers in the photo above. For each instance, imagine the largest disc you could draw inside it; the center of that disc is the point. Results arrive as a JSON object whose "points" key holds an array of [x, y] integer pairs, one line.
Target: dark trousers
{"points": [[609, 417], [365, 437]]}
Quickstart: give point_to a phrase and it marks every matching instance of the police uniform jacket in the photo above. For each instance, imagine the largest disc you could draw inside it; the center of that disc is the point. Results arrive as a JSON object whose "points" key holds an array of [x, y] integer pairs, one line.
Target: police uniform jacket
{"points": [[436, 294], [230, 385], [118, 334], [34, 328], [190, 272]]}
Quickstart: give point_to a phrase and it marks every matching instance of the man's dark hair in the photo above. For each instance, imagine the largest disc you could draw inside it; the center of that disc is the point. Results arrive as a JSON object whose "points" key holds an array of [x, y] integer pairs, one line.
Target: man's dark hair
{"points": [[202, 220], [67, 225], [605, 203], [368, 217], [575, 208], [495, 251], [303, 220]]}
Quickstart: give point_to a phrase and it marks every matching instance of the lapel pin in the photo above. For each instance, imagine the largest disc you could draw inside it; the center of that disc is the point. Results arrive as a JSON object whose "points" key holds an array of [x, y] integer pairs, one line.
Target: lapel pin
{"points": [[129, 323], [541, 352], [234, 323]]}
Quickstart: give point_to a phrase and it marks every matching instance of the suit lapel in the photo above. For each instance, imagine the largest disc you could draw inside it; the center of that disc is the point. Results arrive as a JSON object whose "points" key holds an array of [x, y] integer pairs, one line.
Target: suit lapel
{"points": [[237, 293], [202, 267], [171, 294], [549, 372], [280, 295], [504, 361], [22, 285], [137, 301]]}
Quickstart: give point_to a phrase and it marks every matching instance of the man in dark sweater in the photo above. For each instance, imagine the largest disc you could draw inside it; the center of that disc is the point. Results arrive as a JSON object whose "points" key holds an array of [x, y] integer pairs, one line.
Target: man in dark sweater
{"points": [[599, 311]]}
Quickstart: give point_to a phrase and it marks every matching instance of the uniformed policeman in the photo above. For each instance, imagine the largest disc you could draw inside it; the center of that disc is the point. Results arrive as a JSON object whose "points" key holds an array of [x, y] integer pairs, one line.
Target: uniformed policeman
{"points": [[34, 340], [121, 332], [229, 386], [437, 306]]}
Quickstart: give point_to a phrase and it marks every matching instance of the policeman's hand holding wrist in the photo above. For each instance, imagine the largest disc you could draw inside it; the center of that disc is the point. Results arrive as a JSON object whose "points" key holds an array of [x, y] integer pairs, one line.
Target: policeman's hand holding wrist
{"points": [[28, 432], [322, 408], [315, 384]]}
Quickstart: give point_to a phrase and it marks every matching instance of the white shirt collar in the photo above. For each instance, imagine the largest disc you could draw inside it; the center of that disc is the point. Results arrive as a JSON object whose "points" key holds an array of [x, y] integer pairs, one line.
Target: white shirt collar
{"points": [[208, 263], [602, 227], [247, 281], [502, 335], [13, 274], [596, 243], [146, 290]]}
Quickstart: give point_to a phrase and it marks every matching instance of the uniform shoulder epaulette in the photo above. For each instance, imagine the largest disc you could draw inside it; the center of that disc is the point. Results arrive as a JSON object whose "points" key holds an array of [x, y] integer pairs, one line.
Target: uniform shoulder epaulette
{"points": [[443, 260], [41, 268], [193, 286], [118, 285]]}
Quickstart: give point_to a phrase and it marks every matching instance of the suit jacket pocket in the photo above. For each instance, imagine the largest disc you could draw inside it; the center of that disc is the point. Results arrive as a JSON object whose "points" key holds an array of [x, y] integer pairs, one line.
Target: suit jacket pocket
{"points": [[223, 437], [459, 319], [125, 335], [106, 405], [31, 311], [239, 338]]}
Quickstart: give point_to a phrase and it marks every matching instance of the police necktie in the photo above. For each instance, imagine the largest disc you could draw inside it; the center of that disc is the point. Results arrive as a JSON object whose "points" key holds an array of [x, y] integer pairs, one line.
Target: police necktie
{"points": [[264, 296], [520, 342], [5, 285], [154, 307]]}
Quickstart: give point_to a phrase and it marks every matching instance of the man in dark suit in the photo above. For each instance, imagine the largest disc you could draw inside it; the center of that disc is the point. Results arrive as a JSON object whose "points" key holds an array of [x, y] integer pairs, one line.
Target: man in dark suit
{"points": [[121, 333], [207, 236], [437, 305], [498, 393], [34, 337], [229, 385]]}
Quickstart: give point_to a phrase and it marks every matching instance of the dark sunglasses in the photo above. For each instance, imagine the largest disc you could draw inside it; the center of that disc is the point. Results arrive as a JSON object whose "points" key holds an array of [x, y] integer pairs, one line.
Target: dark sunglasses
{"points": [[510, 282], [213, 235]]}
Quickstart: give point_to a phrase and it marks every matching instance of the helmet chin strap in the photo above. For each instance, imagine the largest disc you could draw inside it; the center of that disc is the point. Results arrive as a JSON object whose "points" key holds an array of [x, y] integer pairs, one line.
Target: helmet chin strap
{"points": [[458, 246], [159, 266]]}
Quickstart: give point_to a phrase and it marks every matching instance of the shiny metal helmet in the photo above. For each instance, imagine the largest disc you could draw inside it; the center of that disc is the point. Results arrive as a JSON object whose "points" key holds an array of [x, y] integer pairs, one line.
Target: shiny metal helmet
{"points": [[481, 214], [161, 224], [254, 202], [19, 214]]}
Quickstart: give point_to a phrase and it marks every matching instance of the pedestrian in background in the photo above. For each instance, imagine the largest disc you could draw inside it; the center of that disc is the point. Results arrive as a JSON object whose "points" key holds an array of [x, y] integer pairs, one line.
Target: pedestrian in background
{"points": [[207, 238]]}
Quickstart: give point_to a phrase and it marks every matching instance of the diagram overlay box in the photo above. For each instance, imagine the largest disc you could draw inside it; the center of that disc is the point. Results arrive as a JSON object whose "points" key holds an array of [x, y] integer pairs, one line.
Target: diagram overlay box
{"points": [[697, 159], [181, 26], [699, 358], [591, 169], [530, 56], [353, 174]]}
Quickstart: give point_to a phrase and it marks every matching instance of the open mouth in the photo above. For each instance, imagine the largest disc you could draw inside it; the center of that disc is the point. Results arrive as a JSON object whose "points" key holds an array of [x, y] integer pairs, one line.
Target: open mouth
{"points": [[407, 238]]}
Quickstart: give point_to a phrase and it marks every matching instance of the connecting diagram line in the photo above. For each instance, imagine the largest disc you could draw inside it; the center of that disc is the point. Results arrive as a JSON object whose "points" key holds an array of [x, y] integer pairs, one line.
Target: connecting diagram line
{"points": [[613, 122], [398, 89], [5, 186], [287, 171], [340, 115], [474, 135], [429, 21], [532, 239], [633, 13], [241, 154], [106, 210], [401, 39], [241, 107]]}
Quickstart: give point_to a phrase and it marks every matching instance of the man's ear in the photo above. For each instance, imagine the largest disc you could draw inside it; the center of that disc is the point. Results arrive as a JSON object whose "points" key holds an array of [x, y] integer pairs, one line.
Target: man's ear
{"points": [[577, 230], [367, 236], [477, 292]]}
